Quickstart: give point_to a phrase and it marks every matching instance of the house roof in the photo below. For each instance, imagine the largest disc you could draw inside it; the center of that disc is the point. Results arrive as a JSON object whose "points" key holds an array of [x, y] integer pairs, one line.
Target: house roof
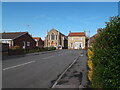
{"points": [[77, 34], [38, 38], [57, 31], [94, 36], [12, 35]]}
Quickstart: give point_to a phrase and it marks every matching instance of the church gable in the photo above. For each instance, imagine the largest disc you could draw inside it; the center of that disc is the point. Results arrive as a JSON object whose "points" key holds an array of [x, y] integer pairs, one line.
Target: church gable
{"points": [[53, 31]]}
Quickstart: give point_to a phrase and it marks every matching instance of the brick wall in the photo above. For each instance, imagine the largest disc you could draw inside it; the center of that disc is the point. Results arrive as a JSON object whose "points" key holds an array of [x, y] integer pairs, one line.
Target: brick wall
{"points": [[25, 38]]}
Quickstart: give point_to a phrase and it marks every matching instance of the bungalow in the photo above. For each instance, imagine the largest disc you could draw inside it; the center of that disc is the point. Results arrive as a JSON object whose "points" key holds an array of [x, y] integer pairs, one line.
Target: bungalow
{"points": [[39, 42], [22, 39]]}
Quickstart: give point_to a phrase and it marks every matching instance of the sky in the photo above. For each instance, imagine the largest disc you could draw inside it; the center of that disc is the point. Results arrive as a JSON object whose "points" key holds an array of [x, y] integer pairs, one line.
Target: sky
{"points": [[39, 17]]}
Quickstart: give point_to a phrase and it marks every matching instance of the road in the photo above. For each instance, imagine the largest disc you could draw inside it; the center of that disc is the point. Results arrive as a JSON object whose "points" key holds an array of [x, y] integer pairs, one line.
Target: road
{"points": [[36, 71]]}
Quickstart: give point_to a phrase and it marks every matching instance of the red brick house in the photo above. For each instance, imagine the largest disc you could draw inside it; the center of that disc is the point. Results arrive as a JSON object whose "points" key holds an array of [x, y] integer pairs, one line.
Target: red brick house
{"points": [[22, 39], [39, 42], [92, 39]]}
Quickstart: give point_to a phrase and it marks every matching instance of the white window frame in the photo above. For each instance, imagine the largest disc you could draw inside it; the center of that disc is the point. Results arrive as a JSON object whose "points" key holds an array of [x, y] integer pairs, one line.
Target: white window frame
{"points": [[72, 38], [80, 38], [28, 43], [24, 44], [8, 41]]}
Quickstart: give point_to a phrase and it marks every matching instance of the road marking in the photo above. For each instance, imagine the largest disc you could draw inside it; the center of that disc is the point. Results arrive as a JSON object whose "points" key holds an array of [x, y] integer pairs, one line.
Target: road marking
{"points": [[18, 65], [48, 57]]}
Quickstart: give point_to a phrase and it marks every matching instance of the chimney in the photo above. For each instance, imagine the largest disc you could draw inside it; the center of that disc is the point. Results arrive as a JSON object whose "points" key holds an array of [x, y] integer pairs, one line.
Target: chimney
{"points": [[69, 31], [84, 31]]}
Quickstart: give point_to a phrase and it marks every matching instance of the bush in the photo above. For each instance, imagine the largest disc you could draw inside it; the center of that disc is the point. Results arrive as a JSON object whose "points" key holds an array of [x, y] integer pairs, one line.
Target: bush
{"points": [[90, 64], [15, 47], [38, 49], [106, 57], [34, 50], [51, 48]]}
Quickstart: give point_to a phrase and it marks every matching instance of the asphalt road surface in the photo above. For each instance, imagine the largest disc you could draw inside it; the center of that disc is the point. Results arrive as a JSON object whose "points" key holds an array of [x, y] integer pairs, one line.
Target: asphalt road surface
{"points": [[36, 71]]}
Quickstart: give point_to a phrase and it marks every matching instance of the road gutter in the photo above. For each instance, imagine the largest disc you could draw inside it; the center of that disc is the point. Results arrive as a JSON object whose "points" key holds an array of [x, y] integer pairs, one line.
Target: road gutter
{"points": [[44, 52], [64, 73]]}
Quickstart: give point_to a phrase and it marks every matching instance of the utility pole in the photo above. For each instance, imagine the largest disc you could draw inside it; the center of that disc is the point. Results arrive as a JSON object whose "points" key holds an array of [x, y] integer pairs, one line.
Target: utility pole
{"points": [[88, 38], [47, 39]]}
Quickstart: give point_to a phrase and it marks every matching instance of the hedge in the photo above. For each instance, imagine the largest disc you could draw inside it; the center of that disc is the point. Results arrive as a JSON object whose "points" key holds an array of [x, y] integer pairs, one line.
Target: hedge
{"points": [[106, 57], [90, 64]]}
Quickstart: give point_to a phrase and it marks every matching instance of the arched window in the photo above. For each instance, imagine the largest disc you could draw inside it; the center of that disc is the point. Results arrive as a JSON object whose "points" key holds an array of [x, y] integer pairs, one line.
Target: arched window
{"points": [[56, 37], [48, 37], [52, 36]]}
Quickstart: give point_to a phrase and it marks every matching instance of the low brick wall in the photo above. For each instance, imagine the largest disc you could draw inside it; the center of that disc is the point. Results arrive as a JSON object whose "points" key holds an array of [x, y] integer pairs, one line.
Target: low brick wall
{"points": [[15, 52], [5, 48]]}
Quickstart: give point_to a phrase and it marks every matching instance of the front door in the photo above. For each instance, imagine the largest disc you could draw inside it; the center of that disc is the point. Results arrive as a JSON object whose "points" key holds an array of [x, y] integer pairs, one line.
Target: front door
{"points": [[52, 43], [24, 44], [78, 45]]}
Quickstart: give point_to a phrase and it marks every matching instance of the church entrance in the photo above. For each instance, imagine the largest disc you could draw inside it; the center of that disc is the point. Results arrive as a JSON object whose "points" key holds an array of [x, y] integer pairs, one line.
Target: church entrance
{"points": [[52, 43]]}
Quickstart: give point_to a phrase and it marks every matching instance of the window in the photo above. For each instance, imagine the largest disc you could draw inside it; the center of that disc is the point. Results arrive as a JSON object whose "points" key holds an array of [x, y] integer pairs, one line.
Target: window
{"points": [[71, 44], [5, 41], [52, 36], [80, 38], [24, 44], [56, 37], [48, 37], [71, 38], [28, 43]]}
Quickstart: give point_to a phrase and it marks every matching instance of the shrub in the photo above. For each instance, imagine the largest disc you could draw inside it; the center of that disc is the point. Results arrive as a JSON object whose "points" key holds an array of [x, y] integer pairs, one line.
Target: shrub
{"points": [[106, 57], [90, 64], [51, 48], [38, 49], [15, 47], [34, 50]]}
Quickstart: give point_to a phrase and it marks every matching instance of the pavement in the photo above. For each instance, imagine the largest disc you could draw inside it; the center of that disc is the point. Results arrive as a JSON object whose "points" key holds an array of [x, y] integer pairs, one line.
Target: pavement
{"points": [[36, 70], [75, 76]]}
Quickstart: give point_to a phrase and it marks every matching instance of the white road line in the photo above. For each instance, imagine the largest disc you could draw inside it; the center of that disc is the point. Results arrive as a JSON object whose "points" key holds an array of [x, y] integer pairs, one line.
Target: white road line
{"points": [[48, 57], [18, 65]]}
